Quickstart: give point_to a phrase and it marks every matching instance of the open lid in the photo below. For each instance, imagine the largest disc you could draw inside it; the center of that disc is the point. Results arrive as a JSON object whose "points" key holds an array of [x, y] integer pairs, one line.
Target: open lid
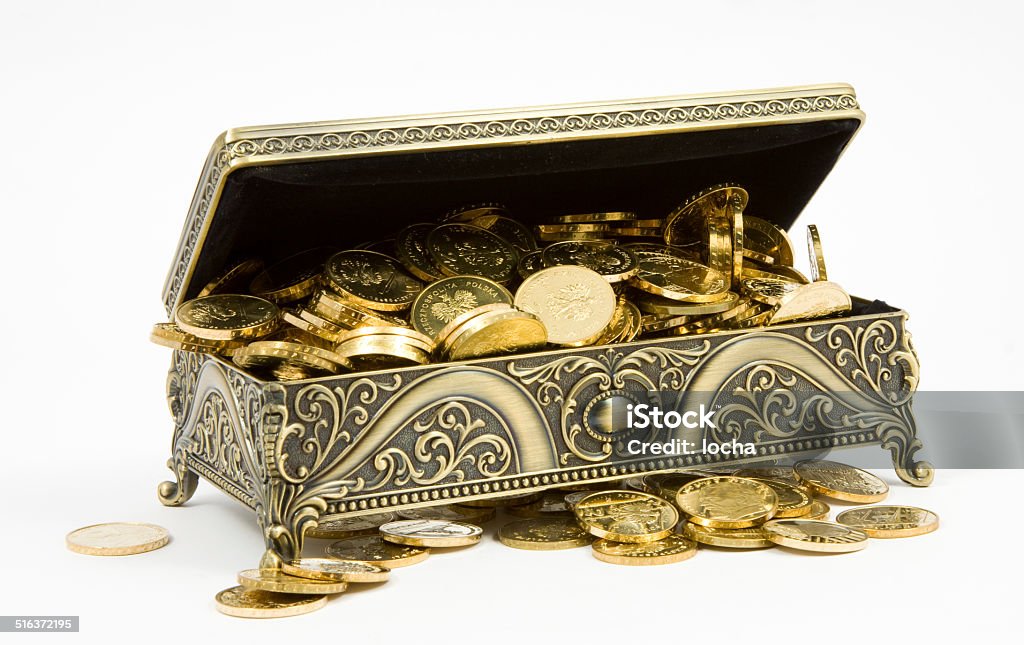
{"points": [[271, 191]]}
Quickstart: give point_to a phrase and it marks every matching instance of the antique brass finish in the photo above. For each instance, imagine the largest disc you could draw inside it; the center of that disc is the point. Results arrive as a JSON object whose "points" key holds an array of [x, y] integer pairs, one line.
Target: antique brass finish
{"points": [[310, 451]]}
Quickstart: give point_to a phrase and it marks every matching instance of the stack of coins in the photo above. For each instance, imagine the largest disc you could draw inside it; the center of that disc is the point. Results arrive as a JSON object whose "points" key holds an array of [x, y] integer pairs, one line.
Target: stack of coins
{"points": [[479, 282]]}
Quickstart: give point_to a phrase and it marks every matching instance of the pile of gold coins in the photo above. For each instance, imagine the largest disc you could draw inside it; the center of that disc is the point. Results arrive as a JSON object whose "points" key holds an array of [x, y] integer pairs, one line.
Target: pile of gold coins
{"points": [[650, 520], [480, 282]]}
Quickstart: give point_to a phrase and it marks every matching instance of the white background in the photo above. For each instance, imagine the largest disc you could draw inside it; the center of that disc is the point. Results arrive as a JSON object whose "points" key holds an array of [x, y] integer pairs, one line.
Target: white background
{"points": [[108, 111]]}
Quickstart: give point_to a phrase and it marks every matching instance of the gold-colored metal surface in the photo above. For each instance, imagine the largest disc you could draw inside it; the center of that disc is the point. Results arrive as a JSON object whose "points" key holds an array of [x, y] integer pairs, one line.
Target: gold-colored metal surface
{"points": [[673, 277], [278, 582], [335, 570], [349, 526], [544, 534], [667, 550], [574, 303], [752, 537], [840, 481], [794, 501], [819, 511], [511, 230], [170, 335], [371, 279], [431, 533], [463, 249], [394, 439], [293, 278], [765, 238], [815, 535], [227, 317], [809, 301], [727, 502], [117, 538], [244, 602], [373, 549], [496, 333], [411, 251], [615, 263], [626, 516], [890, 521], [443, 301], [818, 271]]}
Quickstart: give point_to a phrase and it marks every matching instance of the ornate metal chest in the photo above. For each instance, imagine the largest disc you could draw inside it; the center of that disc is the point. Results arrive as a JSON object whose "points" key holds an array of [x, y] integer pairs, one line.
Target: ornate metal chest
{"points": [[299, 452]]}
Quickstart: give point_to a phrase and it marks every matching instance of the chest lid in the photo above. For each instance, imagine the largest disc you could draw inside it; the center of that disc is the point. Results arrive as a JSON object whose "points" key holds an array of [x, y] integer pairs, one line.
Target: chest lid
{"points": [[271, 191]]}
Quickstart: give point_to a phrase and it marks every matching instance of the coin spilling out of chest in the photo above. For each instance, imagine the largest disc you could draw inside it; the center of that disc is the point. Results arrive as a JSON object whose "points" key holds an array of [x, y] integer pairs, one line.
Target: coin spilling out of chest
{"points": [[890, 521], [626, 516], [246, 602], [484, 281], [842, 482], [431, 533]]}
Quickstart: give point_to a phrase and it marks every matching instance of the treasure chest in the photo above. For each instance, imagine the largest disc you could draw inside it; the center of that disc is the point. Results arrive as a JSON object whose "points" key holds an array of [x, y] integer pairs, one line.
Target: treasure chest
{"points": [[302, 451]]}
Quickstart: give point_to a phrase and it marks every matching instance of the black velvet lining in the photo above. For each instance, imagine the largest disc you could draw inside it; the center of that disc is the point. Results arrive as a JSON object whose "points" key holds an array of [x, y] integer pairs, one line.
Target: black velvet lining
{"points": [[276, 210]]}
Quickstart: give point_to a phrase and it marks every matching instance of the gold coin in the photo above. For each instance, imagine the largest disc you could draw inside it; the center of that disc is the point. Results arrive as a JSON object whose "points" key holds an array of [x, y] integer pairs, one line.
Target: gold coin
{"points": [[617, 328], [624, 231], [411, 251], [890, 521], [769, 291], [667, 485], [587, 227], [371, 279], [234, 280], [815, 300], [253, 603], [726, 502], [473, 211], [707, 218], [170, 335], [819, 511], [655, 222], [512, 231], [634, 322], [793, 500], [652, 304], [818, 272], [227, 317], [497, 333], [515, 499], [117, 538], [278, 582], [615, 263], [346, 313], [269, 354], [574, 303], [530, 263], [815, 535], [552, 503], [544, 534], [571, 237], [382, 352], [612, 216], [679, 279], [289, 372], [462, 249], [328, 333], [431, 533], [785, 473], [839, 481], [757, 257], [374, 550], [449, 332], [449, 513], [752, 537], [674, 548], [445, 300], [293, 278], [626, 516], [388, 332], [738, 240], [572, 499], [349, 526], [742, 308], [335, 570], [763, 237]]}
